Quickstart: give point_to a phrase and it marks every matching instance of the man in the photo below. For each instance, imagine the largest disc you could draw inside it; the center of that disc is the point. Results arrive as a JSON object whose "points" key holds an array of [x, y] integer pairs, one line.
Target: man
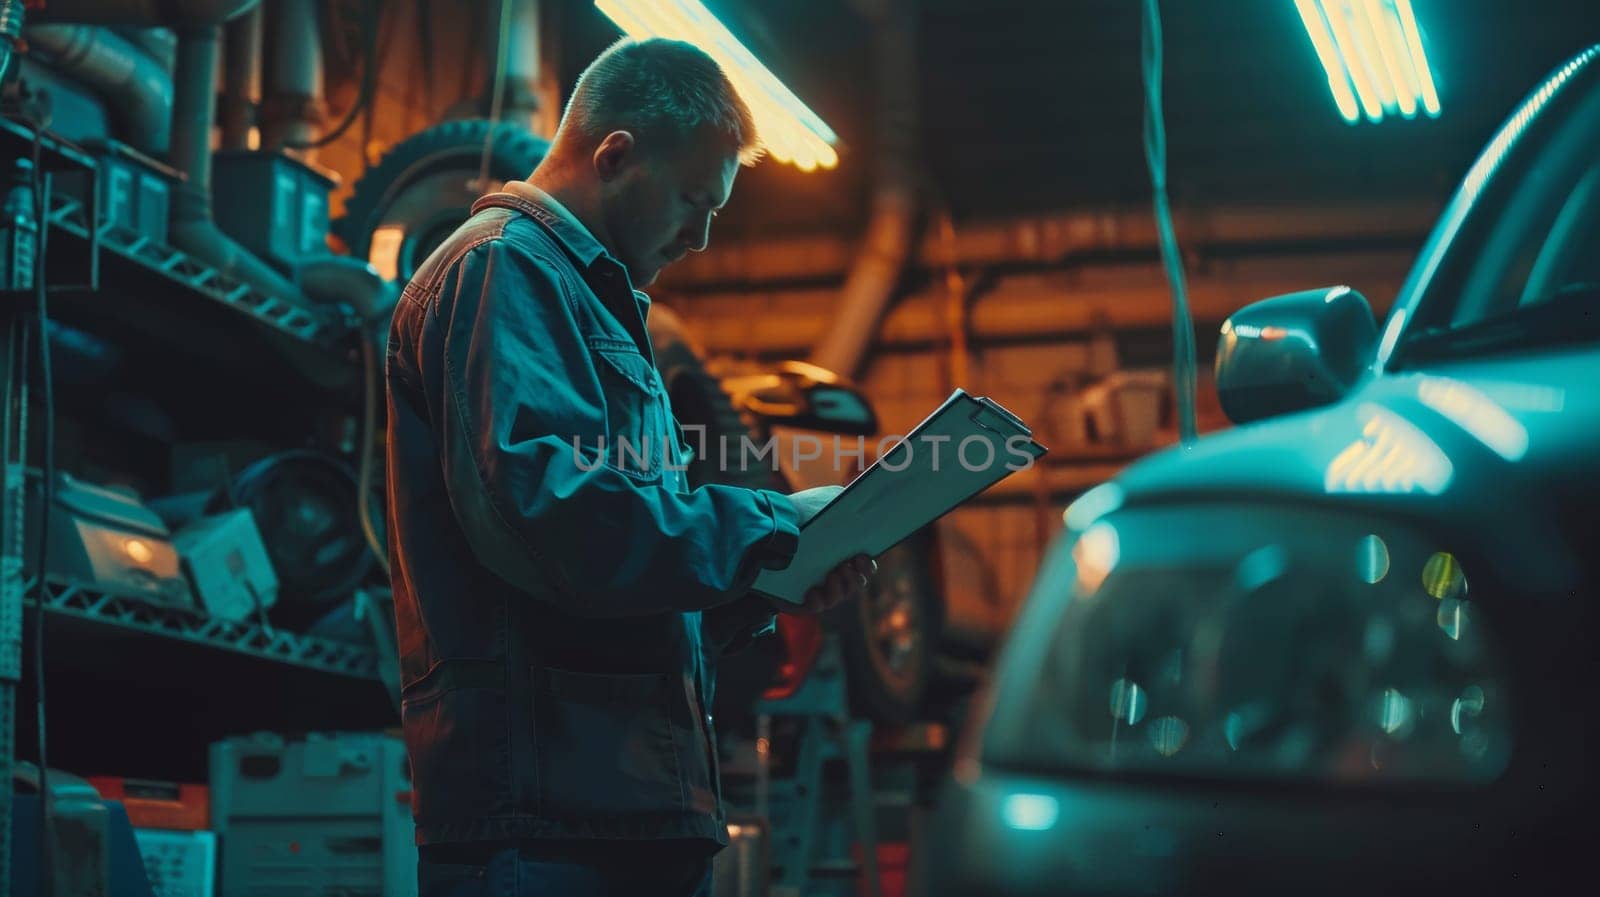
{"points": [[561, 596]]}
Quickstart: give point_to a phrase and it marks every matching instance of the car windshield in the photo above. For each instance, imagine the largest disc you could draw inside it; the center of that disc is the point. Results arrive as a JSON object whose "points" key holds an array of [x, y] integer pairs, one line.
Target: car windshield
{"points": [[1526, 271], [1569, 314]]}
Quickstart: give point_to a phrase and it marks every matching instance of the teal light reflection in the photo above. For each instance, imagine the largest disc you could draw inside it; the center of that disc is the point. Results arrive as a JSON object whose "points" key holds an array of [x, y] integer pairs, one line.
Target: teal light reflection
{"points": [[1030, 812], [1476, 413]]}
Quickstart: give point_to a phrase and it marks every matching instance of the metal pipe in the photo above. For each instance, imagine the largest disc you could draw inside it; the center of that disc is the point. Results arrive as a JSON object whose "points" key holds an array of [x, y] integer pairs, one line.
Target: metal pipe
{"points": [[241, 78], [520, 95], [139, 91], [1039, 307], [870, 285], [1056, 238], [193, 229], [291, 102], [160, 43], [329, 279], [175, 13]]}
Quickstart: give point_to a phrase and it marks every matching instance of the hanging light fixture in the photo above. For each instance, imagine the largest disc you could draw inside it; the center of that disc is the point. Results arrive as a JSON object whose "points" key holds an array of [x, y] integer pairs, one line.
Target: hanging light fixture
{"points": [[1372, 53], [789, 131]]}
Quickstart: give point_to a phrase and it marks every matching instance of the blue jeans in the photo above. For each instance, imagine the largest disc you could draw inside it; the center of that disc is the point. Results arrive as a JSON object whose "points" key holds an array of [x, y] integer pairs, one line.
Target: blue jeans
{"points": [[623, 869]]}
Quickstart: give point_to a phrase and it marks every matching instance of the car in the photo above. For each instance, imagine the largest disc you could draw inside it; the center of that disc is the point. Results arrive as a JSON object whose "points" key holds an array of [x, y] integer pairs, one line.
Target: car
{"points": [[1346, 645]]}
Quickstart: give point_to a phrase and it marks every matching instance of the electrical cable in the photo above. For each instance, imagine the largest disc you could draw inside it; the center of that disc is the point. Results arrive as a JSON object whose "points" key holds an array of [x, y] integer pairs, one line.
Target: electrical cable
{"points": [[371, 13], [1155, 151], [497, 98], [369, 426], [47, 498]]}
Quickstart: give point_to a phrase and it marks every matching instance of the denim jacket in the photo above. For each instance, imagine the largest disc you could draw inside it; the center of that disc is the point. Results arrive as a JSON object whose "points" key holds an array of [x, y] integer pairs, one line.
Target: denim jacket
{"points": [[550, 565]]}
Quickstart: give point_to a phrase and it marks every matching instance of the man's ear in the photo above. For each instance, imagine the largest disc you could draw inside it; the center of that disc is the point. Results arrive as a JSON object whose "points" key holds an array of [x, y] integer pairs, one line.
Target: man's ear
{"points": [[613, 154]]}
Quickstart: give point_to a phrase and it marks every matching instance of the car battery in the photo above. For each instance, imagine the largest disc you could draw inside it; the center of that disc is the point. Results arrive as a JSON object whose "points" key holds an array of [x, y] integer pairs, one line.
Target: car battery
{"points": [[228, 565], [106, 540], [275, 205], [327, 816], [135, 192]]}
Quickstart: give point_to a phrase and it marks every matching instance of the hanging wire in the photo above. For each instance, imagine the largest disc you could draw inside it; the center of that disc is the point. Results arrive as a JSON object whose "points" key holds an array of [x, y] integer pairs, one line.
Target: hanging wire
{"points": [[497, 99], [47, 492], [371, 15], [1155, 153]]}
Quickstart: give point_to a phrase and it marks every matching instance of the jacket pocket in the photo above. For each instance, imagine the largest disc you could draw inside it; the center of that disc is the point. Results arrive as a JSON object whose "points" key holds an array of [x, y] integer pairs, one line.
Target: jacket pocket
{"points": [[636, 433], [607, 743], [460, 756]]}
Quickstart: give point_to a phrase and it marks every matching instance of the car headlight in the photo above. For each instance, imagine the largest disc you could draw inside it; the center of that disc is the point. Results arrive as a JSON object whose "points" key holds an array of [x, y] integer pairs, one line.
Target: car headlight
{"points": [[1235, 643]]}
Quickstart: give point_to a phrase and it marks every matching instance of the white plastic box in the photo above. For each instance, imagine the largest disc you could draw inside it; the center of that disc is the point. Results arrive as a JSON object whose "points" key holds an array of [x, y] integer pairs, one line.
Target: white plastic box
{"points": [[329, 816]]}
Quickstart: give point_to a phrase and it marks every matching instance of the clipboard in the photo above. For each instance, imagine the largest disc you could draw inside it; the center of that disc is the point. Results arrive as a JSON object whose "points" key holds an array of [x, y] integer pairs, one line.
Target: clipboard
{"points": [[966, 445]]}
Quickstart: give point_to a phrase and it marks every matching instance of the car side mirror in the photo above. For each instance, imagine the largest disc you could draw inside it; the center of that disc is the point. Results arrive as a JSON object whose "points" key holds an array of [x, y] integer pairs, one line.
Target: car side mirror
{"points": [[805, 396], [1293, 352]]}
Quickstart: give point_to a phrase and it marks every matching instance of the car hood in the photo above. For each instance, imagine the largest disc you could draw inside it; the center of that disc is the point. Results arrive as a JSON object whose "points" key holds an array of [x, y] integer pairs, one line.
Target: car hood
{"points": [[1503, 447]]}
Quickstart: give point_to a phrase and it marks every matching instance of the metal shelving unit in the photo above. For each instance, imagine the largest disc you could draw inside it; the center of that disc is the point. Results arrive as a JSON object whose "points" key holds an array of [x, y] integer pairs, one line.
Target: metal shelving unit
{"points": [[168, 299], [71, 216], [138, 616]]}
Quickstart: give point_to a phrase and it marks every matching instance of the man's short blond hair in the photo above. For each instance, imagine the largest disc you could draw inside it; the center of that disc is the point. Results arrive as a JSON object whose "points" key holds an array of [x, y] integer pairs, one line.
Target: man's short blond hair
{"points": [[664, 92]]}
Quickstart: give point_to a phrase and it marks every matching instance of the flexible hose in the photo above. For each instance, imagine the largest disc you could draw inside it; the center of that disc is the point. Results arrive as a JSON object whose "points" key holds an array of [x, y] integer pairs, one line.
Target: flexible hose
{"points": [[1155, 152]]}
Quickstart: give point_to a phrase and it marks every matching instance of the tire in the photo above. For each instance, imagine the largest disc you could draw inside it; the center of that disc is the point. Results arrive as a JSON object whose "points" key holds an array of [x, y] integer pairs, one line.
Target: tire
{"points": [[698, 400], [889, 636], [304, 504], [423, 187]]}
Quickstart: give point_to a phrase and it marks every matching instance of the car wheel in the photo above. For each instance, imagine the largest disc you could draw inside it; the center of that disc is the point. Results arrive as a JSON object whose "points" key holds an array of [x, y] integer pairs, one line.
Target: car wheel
{"points": [[890, 635]]}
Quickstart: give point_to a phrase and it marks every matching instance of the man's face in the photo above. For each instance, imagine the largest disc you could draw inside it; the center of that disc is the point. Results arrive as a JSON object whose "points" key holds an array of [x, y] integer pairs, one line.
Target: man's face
{"points": [[659, 206]]}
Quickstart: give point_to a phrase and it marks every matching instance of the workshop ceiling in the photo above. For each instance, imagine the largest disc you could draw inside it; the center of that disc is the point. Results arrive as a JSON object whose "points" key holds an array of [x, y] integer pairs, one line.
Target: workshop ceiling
{"points": [[1030, 105]]}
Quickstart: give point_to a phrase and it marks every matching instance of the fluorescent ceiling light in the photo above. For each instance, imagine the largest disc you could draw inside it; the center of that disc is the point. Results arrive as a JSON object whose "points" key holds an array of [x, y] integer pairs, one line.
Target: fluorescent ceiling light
{"points": [[1372, 53], [788, 130]]}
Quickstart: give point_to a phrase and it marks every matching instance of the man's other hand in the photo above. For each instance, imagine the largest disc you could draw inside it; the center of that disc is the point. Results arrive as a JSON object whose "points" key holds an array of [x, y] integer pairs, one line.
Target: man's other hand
{"points": [[846, 581], [809, 501]]}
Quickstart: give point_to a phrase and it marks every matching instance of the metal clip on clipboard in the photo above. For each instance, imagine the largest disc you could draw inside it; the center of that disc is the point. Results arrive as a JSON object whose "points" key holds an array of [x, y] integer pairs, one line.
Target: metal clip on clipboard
{"points": [[965, 446]]}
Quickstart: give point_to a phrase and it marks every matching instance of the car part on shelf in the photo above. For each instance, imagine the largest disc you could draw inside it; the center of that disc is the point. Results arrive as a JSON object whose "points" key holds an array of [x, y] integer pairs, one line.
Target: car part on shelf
{"points": [[275, 205], [228, 566], [305, 505], [106, 539]]}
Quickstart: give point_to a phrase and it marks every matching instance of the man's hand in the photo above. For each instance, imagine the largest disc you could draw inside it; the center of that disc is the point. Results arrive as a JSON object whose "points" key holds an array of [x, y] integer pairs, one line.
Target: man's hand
{"points": [[809, 501], [846, 581]]}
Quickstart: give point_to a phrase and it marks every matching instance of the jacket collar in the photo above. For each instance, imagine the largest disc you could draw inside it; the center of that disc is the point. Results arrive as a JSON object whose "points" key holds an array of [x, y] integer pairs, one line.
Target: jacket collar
{"points": [[574, 235]]}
